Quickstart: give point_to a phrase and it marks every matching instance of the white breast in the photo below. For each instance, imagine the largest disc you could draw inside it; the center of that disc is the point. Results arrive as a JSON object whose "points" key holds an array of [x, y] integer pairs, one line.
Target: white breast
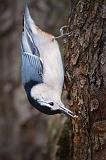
{"points": [[51, 57], [53, 67]]}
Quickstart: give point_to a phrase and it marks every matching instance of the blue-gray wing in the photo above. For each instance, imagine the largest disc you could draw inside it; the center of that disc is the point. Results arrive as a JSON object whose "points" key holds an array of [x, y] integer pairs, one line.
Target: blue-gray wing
{"points": [[32, 65]]}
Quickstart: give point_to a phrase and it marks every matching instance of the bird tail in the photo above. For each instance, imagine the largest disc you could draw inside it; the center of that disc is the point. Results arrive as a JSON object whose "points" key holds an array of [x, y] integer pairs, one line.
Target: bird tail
{"points": [[68, 112], [27, 20], [26, 11]]}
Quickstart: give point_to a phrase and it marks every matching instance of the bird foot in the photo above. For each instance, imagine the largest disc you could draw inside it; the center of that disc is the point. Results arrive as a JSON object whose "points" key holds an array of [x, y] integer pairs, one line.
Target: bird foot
{"points": [[63, 33]]}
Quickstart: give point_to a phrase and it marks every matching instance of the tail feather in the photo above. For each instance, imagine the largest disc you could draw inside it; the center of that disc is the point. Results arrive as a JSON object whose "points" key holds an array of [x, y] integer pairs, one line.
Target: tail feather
{"points": [[28, 21], [26, 11]]}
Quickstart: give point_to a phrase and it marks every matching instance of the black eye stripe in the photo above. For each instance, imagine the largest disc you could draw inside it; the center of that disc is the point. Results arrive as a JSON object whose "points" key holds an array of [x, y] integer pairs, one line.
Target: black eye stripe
{"points": [[51, 103]]}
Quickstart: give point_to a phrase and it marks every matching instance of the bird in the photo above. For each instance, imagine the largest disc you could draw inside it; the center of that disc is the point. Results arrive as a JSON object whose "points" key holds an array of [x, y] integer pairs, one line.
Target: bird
{"points": [[42, 68]]}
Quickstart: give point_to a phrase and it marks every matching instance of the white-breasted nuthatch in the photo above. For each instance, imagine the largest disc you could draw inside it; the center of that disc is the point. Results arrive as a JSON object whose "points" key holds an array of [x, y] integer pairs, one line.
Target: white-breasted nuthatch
{"points": [[42, 68]]}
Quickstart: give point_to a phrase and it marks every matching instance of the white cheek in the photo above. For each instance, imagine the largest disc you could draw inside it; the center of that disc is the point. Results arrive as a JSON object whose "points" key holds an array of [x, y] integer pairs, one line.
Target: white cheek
{"points": [[37, 91], [55, 107], [34, 93]]}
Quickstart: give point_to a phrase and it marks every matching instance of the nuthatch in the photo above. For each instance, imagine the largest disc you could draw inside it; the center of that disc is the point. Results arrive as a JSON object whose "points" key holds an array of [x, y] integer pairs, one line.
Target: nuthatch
{"points": [[42, 68]]}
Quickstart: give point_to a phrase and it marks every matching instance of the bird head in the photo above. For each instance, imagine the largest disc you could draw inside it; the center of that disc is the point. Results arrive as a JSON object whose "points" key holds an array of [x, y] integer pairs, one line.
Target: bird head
{"points": [[48, 101], [54, 107]]}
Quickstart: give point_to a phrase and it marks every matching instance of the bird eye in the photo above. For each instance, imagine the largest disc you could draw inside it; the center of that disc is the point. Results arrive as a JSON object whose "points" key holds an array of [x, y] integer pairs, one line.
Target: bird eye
{"points": [[51, 103]]}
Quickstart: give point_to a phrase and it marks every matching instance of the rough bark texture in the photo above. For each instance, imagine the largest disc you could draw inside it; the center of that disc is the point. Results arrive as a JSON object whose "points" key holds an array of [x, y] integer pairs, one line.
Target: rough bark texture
{"points": [[85, 69]]}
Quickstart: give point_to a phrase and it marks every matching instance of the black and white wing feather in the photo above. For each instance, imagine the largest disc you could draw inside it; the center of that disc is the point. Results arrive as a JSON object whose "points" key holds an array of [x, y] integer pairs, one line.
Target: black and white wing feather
{"points": [[32, 65]]}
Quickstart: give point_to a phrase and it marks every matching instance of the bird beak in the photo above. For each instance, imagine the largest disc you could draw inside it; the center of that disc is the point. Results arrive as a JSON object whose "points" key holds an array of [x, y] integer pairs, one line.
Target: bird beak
{"points": [[68, 112]]}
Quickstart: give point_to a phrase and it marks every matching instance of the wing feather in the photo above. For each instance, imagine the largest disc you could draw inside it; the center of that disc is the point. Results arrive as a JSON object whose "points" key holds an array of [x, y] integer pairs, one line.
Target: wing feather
{"points": [[32, 65], [32, 68]]}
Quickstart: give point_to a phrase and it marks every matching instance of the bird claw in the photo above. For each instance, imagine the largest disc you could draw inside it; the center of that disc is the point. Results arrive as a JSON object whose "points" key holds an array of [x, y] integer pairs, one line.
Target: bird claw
{"points": [[64, 35]]}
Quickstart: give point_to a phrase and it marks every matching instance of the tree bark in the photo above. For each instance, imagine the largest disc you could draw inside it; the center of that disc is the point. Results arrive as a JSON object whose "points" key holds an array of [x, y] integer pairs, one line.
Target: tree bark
{"points": [[85, 78]]}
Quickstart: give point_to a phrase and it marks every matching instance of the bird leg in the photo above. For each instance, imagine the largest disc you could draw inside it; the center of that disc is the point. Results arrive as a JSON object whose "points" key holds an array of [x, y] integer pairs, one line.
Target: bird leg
{"points": [[62, 34]]}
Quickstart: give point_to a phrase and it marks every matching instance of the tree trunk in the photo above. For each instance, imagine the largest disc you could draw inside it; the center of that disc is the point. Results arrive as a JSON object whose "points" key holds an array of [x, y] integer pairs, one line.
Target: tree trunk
{"points": [[85, 78]]}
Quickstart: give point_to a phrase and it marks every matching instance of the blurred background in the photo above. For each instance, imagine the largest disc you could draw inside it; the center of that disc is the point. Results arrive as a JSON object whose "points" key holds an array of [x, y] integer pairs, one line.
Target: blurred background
{"points": [[25, 133]]}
